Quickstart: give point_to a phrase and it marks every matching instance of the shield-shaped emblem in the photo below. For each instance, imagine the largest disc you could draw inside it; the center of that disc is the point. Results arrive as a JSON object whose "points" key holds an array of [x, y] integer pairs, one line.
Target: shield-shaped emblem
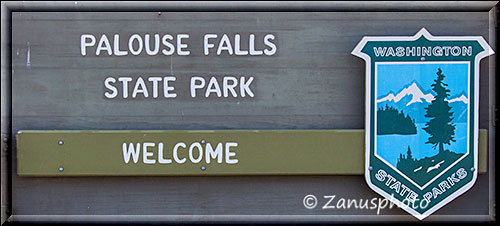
{"points": [[422, 101]]}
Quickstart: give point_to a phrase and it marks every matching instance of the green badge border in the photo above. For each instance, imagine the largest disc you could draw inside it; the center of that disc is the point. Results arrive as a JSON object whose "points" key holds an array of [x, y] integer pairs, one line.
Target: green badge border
{"points": [[420, 37]]}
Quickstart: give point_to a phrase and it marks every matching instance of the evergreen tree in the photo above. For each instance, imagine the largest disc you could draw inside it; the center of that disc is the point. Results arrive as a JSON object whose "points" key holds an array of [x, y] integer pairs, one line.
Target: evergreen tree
{"points": [[408, 154], [407, 164], [439, 127]]}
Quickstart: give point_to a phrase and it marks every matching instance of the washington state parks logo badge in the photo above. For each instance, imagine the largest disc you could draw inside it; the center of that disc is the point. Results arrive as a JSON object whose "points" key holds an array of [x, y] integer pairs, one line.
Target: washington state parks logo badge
{"points": [[422, 101]]}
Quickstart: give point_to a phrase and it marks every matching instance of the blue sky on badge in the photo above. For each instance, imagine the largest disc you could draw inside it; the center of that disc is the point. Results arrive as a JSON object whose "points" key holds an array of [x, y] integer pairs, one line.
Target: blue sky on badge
{"points": [[394, 77]]}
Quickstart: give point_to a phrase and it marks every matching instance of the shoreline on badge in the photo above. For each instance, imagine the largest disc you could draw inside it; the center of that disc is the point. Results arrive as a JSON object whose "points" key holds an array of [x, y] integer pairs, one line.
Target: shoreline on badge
{"points": [[421, 116]]}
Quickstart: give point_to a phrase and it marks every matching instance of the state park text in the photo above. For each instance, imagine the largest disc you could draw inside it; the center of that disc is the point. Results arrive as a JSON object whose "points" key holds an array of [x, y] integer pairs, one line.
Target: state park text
{"points": [[432, 193], [154, 87]]}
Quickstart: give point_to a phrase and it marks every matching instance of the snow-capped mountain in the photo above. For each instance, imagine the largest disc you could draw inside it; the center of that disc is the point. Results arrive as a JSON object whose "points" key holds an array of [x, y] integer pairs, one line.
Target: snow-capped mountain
{"points": [[413, 90], [417, 96], [412, 99], [462, 98]]}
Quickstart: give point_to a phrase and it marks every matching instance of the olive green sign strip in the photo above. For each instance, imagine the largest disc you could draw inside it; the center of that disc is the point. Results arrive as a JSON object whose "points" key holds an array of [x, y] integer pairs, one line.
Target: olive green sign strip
{"points": [[204, 152]]}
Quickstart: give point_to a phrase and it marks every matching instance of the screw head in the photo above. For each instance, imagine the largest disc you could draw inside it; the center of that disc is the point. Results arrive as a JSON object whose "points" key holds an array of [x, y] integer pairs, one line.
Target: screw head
{"points": [[203, 141], [422, 59], [370, 168], [5, 139], [472, 169], [60, 142], [61, 169], [203, 168]]}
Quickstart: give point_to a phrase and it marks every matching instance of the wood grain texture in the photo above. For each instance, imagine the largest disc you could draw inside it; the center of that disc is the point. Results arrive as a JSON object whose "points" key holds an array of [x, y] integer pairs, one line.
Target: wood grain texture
{"points": [[257, 152]]}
